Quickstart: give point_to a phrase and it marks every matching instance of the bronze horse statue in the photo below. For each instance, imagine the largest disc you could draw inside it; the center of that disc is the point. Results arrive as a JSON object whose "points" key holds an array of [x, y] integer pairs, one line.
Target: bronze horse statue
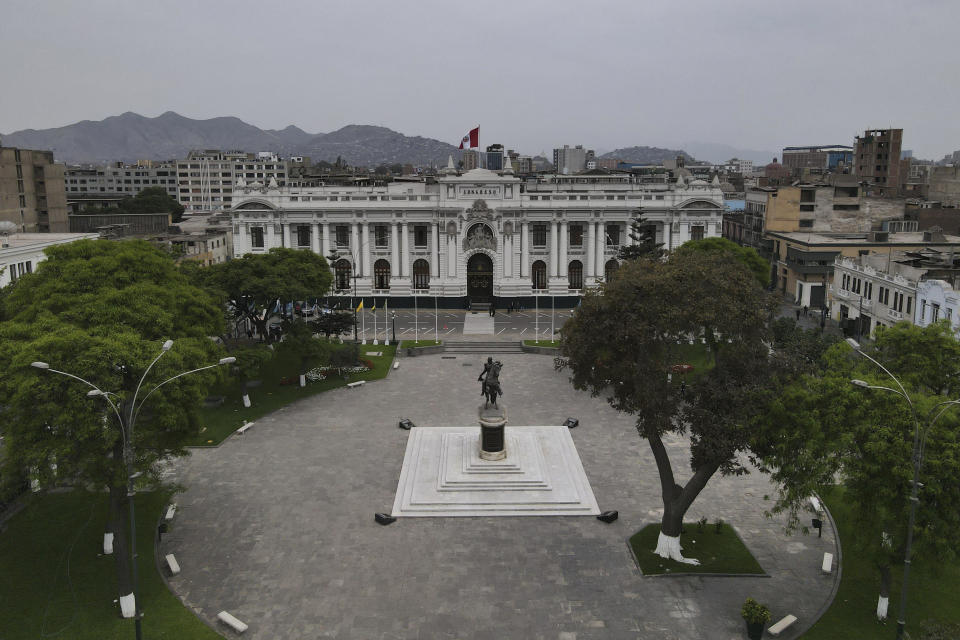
{"points": [[491, 384]]}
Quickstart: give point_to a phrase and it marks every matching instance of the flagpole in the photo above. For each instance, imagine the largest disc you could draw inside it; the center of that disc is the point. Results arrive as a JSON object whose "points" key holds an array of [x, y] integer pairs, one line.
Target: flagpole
{"points": [[436, 321], [386, 320], [416, 321], [375, 339], [553, 308], [363, 321], [536, 316]]}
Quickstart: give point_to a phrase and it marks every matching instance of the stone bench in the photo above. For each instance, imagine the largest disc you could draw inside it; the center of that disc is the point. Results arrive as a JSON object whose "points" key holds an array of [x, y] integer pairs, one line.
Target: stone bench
{"points": [[242, 430], [782, 625], [815, 503], [232, 622], [172, 509], [827, 565], [172, 564], [396, 365], [356, 384]]}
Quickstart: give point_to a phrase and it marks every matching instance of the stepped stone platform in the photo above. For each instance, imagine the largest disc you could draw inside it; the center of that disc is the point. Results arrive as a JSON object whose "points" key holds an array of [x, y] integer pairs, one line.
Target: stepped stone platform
{"points": [[444, 475]]}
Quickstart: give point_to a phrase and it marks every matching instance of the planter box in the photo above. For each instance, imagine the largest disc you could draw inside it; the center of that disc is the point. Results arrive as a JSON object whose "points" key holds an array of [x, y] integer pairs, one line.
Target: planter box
{"points": [[547, 351], [422, 351]]}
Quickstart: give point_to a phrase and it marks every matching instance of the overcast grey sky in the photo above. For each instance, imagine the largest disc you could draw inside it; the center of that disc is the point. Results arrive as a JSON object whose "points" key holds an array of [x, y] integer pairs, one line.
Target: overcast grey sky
{"points": [[532, 74]]}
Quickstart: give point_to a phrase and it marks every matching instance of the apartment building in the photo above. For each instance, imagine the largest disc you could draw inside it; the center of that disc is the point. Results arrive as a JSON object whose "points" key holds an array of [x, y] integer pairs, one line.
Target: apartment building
{"points": [[826, 158], [32, 194], [206, 179], [876, 160], [99, 187]]}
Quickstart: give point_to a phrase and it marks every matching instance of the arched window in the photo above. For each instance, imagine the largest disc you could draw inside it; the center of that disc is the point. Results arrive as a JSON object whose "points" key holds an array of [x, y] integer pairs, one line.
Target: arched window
{"points": [[343, 272], [575, 275], [610, 269], [381, 274], [421, 274], [539, 274]]}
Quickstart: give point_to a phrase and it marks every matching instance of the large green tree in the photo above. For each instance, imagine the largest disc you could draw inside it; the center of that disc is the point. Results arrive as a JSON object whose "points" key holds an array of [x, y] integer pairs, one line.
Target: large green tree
{"points": [[149, 200], [748, 256], [251, 286], [822, 429], [625, 336], [101, 310]]}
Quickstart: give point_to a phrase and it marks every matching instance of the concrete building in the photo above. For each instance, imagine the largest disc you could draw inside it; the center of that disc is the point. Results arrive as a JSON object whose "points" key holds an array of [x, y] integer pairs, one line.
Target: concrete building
{"points": [[32, 194], [471, 160], [21, 252], [804, 262], [571, 160], [495, 157], [876, 159], [91, 186], [119, 225], [944, 185], [833, 158], [205, 180], [478, 236]]}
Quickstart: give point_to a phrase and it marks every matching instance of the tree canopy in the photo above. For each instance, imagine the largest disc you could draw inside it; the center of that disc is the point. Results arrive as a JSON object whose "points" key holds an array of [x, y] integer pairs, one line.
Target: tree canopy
{"points": [[101, 310], [625, 336], [644, 242], [759, 267], [822, 428], [252, 285]]}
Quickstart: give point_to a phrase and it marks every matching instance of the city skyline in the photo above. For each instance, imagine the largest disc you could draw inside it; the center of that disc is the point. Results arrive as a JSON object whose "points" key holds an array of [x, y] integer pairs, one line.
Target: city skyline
{"points": [[534, 76]]}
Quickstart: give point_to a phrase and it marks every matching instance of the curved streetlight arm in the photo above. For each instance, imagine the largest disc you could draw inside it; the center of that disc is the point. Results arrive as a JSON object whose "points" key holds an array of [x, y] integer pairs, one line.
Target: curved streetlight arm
{"points": [[166, 347], [923, 438], [100, 392], [903, 391], [179, 375]]}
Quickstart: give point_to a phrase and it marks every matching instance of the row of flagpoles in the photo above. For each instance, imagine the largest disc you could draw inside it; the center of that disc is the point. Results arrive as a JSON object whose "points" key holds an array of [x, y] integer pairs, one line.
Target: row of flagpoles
{"points": [[386, 320]]}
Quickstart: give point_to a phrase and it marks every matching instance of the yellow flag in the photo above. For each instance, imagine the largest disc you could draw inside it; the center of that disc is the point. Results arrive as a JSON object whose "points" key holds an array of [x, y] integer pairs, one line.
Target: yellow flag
{"points": [[374, 307], [360, 308]]}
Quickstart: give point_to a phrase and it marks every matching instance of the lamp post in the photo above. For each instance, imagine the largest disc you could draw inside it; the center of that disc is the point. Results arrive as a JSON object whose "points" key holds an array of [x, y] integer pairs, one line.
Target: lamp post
{"points": [[127, 413], [919, 442], [393, 319]]}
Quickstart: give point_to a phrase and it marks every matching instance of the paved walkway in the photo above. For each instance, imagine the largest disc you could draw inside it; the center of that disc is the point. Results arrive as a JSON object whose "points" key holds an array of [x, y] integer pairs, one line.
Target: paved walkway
{"points": [[277, 527]]}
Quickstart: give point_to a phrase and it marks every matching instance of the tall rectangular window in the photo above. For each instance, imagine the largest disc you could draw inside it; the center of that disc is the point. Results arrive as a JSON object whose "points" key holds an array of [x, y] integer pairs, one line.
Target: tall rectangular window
{"points": [[420, 235], [303, 236], [343, 235], [539, 235], [696, 232], [380, 235], [909, 304], [256, 237], [576, 235], [613, 235]]}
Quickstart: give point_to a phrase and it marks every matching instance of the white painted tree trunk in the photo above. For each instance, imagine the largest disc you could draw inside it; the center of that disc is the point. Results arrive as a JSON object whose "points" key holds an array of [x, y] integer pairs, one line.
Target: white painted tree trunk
{"points": [[128, 605], [107, 543], [882, 607], [246, 400], [669, 547], [303, 380]]}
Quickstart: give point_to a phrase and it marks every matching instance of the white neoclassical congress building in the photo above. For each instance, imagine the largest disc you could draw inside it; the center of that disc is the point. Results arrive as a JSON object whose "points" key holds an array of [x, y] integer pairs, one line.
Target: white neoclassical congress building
{"points": [[479, 236]]}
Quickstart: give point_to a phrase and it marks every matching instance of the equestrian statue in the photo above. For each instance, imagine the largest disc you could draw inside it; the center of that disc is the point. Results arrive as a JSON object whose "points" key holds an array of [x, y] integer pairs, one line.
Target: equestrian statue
{"points": [[490, 379]]}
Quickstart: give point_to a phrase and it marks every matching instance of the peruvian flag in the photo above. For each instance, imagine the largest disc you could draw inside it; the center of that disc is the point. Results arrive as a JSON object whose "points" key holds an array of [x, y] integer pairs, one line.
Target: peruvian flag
{"points": [[472, 139]]}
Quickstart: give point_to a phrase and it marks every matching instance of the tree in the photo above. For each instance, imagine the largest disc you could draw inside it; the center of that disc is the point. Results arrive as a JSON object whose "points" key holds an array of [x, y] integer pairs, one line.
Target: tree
{"points": [[747, 255], [645, 245], [149, 200], [100, 310], [822, 428], [624, 337], [250, 360], [300, 346], [251, 286], [333, 323]]}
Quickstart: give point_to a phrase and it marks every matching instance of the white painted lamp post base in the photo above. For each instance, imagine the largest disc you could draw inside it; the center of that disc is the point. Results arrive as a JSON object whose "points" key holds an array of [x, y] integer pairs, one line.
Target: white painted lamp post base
{"points": [[128, 605], [882, 603], [669, 547], [107, 543], [246, 401]]}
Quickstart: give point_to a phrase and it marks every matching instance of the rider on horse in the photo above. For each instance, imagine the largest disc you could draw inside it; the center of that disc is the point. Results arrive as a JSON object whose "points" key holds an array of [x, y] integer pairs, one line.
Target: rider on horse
{"points": [[490, 379]]}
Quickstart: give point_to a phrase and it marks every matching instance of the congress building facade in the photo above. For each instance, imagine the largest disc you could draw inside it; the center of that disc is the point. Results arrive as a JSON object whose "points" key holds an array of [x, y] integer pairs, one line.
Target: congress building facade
{"points": [[479, 236]]}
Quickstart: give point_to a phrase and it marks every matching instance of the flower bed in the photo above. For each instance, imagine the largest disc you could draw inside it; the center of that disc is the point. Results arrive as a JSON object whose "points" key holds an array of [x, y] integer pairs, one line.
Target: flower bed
{"points": [[322, 373]]}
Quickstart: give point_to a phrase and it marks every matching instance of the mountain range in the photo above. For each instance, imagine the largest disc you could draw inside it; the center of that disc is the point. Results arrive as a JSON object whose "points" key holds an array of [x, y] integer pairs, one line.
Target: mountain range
{"points": [[130, 137]]}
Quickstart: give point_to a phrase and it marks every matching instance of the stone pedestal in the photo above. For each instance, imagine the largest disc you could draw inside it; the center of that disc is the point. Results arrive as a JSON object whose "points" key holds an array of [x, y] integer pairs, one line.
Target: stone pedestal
{"points": [[492, 423]]}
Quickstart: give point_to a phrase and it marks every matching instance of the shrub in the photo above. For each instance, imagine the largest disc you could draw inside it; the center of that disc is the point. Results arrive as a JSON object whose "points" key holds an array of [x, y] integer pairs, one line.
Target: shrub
{"points": [[754, 612]]}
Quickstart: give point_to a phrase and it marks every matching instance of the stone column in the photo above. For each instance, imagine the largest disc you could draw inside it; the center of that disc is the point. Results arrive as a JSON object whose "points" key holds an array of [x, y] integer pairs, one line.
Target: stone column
{"points": [[366, 249], [286, 235], [524, 249], [507, 255], [435, 251], [355, 247], [394, 251], [241, 243], [666, 235], [591, 249], [601, 249], [315, 238], [271, 236], [564, 248], [554, 250], [404, 250], [452, 255], [325, 240]]}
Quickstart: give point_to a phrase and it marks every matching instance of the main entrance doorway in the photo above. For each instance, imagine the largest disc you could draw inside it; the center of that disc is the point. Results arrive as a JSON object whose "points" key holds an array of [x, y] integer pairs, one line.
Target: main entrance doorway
{"points": [[480, 278]]}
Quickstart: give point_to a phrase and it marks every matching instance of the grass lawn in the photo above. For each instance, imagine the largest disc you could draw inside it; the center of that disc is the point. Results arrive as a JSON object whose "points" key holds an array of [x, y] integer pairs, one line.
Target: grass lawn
{"points": [[220, 422], [932, 592], [409, 344], [555, 344], [55, 586], [717, 552]]}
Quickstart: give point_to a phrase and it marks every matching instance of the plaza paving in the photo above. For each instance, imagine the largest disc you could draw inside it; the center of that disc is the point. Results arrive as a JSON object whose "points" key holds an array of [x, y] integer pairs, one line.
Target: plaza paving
{"points": [[277, 527]]}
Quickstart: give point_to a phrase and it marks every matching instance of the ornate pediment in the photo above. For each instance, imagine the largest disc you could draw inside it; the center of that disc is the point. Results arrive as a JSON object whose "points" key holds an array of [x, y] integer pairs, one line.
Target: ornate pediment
{"points": [[479, 210]]}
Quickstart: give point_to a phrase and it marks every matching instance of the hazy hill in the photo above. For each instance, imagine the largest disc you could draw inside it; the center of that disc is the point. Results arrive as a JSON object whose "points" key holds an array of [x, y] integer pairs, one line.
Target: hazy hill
{"points": [[646, 155], [130, 137]]}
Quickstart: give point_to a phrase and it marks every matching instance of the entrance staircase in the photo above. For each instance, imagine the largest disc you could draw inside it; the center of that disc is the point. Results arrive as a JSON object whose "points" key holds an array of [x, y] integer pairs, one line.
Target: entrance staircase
{"points": [[481, 348], [480, 307]]}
